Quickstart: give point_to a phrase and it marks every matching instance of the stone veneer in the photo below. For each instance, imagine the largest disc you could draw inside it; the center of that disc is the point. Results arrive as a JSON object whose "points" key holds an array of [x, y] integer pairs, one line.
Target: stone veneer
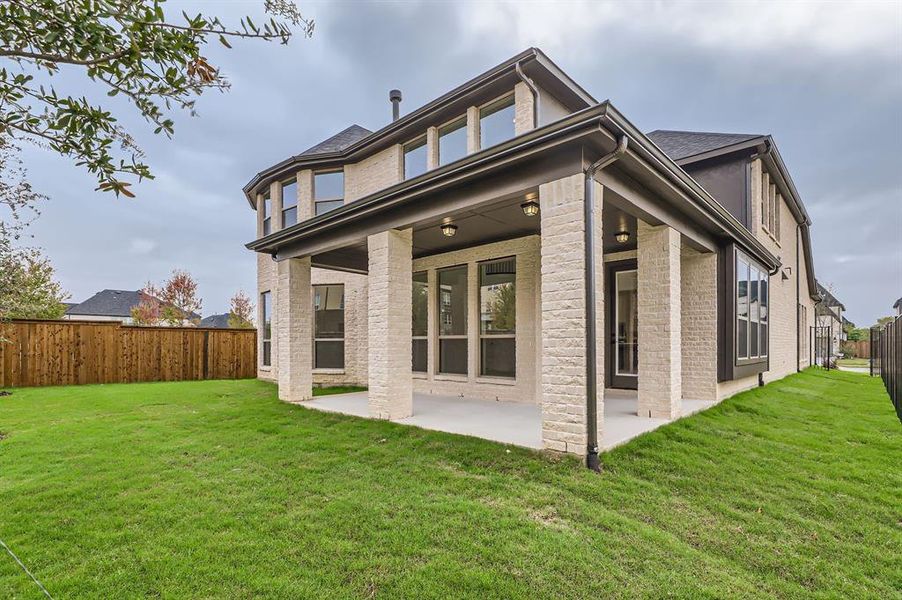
{"points": [[295, 331], [563, 315], [389, 323], [660, 335], [698, 299]]}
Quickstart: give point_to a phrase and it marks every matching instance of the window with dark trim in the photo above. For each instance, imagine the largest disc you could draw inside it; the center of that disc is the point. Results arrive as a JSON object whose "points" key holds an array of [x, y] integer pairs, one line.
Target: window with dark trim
{"points": [[329, 326], [328, 191], [289, 202], [415, 158], [419, 326], [452, 320], [266, 329], [752, 300], [266, 207], [498, 318], [496, 122], [452, 141]]}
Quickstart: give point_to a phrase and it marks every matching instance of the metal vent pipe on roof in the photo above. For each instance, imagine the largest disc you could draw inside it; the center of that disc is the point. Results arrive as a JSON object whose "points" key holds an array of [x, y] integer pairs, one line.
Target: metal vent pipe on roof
{"points": [[395, 97]]}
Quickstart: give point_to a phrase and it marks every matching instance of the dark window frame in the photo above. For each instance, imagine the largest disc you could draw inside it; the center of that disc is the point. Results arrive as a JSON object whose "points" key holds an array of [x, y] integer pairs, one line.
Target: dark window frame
{"points": [[439, 337], [319, 340], [330, 200], [265, 198], [414, 144], [293, 207], [483, 336], [490, 108], [730, 365], [449, 128], [265, 330], [424, 338]]}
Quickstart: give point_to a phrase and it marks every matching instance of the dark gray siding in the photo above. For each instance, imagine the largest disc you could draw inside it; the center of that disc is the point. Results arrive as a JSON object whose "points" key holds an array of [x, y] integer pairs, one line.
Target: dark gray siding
{"points": [[726, 178]]}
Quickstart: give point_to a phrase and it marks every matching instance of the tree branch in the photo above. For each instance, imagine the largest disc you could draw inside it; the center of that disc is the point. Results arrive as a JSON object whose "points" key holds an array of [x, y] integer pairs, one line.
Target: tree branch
{"points": [[64, 59]]}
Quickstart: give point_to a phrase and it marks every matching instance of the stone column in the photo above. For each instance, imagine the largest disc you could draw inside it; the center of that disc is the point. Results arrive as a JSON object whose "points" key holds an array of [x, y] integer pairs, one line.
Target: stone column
{"points": [[524, 107], [389, 321], [294, 325], [472, 130], [305, 195], [699, 325], [432, 148], [660, 362], [563, 314]]}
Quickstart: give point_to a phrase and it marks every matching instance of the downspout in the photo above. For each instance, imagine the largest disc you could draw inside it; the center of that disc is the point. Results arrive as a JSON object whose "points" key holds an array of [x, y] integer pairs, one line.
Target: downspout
{"points": [[535, 94], [798, 316], [592, 461]]}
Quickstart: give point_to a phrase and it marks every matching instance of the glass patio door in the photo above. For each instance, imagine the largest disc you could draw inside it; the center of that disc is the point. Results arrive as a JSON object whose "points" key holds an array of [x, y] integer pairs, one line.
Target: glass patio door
{"points": [[626, 329]]}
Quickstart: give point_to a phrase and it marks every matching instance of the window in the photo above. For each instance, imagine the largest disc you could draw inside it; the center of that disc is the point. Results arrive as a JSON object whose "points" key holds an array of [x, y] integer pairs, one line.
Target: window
{"points": [[803, 329], [266, 334], [452, 141], [328, 191], [498, 318], [452, 327], [328, 327], [415, 158], [496, 122], [765, 190], [419, 327], [771, 209], [289, 202], [777, 210], [752, 315], [266, 208]]}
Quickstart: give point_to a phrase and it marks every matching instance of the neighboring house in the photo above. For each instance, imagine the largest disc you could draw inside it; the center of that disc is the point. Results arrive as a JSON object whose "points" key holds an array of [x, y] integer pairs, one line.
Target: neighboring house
{"points": [[215, 321], [516, 240], [113, 305], [898, 307], [830, 319]]}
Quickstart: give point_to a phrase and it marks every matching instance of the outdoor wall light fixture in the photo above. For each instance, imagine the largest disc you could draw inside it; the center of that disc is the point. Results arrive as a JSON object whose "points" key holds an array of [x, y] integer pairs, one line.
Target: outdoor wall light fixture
{"points": [[530, 208], [449, 229], [622, 236]]}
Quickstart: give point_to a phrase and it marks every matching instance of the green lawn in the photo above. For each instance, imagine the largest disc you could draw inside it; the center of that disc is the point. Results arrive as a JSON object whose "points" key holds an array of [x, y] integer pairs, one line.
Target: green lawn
{"points": [[217, 489], [853, 362]]}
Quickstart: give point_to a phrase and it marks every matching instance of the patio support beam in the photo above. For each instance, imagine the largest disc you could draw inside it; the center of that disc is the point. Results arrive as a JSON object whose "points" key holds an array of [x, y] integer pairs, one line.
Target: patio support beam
{"points": [[698, 273], [389, 321], [295, 329], [660, 336]]}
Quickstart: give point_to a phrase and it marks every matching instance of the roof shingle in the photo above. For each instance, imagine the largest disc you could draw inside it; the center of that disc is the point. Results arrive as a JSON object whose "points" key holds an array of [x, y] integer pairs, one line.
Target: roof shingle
{"points": [[683, 144], [339, 141]]}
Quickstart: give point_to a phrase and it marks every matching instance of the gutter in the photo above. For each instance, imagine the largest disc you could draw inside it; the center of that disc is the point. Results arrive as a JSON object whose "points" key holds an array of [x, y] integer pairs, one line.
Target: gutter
{"points": [[592, 461], [798, 282]]}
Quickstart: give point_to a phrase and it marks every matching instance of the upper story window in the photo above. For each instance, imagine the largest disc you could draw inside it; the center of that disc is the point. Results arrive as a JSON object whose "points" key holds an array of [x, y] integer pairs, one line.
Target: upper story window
{"points": [[496, 122], [452, 141], [289, 202], [328, 191], [266, 208], [415, 158]]}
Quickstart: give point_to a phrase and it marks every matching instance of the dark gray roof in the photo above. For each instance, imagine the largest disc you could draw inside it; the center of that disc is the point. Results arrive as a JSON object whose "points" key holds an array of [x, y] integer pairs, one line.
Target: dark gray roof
{"points": [[898, 303], [683, 144], [339, 141], [110, 303], [829, 299], [216, 321]]}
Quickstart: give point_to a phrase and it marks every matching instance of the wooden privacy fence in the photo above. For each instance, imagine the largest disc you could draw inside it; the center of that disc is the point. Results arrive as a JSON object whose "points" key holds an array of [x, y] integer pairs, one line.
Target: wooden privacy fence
{"points": [[859, 348], [41, 353]]}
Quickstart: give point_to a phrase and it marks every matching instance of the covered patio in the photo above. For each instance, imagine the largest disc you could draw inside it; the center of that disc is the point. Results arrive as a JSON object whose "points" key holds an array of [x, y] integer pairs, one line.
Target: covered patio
{"points": [[506, 422]]}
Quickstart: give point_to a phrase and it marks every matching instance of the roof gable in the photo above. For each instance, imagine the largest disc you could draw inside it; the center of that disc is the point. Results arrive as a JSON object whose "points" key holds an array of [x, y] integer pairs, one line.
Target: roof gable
{"points": [[110, 303], [684, 144]]}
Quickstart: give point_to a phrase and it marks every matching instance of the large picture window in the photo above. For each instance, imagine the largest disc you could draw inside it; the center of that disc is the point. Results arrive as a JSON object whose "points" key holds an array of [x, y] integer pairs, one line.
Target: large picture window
{"points": [[419, 327], [452, 325], [266, 208], [415, 158], [498, 318], [452, 141], [328, 191], [266, 329], [289, 202], [329, 327], [496, 122], [752, 314]]}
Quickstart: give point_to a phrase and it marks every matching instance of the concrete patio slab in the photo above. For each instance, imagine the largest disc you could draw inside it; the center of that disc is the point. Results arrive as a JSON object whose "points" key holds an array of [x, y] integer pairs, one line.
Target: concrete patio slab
{"points": [[505, 422]]}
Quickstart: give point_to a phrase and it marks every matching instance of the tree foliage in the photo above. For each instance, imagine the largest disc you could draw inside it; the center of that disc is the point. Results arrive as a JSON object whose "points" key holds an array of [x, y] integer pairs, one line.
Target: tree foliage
{"points": [[148, 310], [177, 297], [241, 311], [28, 289], [130, 48]]}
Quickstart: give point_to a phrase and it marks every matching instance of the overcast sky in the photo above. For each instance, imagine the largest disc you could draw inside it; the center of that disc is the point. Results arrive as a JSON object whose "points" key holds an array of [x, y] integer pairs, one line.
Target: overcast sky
{"points": [[825, 81]]}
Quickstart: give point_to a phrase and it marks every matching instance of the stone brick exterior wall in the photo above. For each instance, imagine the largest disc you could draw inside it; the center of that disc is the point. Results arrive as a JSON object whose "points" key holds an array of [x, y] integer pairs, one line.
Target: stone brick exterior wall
{"points": [[698, 287], [374, 173]]}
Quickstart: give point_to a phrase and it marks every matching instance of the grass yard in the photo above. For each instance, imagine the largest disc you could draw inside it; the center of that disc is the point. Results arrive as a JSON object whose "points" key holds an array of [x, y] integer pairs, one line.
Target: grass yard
{"points": [[853, 362], [217, 489]]}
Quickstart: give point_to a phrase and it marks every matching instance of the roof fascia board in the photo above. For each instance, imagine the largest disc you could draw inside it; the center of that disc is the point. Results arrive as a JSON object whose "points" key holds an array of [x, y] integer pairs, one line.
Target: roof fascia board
{"points": [[688, 160]]}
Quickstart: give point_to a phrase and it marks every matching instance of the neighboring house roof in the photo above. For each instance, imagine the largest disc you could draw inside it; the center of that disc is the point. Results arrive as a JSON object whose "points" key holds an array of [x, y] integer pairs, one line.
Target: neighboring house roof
{"points": [[339, 141], [829, 299], [216, 321], [108, 303], [683, 144], [898, 303], [846, 321], [111, 303]]}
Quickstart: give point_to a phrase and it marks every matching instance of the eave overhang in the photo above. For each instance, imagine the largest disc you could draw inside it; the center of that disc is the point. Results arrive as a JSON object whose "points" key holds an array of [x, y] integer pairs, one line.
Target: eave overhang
{"points": [[600, 120], [534, 63]]}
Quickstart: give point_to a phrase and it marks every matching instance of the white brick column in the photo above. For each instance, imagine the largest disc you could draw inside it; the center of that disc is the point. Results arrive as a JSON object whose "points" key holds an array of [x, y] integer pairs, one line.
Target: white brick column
{"points": [[563, 314], [524, 107], [699, 325], [389, 324], [294, 329], [660, 362]]}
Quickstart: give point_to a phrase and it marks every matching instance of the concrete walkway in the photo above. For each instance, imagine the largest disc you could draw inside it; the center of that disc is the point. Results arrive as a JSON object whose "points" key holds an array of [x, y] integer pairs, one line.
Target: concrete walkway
{"points": [[506, 422]]}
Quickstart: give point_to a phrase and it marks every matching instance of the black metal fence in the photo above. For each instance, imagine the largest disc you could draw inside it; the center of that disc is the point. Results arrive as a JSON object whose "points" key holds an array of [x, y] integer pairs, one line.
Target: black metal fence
{"points": [[886, 359], [821, 347]]}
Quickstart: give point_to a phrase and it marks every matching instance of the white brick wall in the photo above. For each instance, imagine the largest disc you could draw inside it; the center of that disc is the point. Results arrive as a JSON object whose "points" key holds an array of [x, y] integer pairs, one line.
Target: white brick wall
{"points": [[524, 106], [660, 362], [698, 285], [374, 173], [389, 321], [295, 331]]}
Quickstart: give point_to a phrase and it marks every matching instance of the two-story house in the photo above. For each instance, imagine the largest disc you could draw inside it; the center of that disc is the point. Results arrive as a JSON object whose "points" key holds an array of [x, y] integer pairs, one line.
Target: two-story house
{"points": [[517, 240]]}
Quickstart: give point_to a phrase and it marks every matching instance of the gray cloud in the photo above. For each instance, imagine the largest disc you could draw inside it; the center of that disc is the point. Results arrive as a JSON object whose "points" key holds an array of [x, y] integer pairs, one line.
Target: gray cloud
{"points": [[826, 82]]}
